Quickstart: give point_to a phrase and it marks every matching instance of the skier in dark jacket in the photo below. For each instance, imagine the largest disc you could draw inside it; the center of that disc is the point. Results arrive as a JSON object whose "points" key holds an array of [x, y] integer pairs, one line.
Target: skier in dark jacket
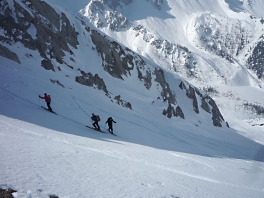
{"points": [[96, 120], [110, 124], [47, 100]]}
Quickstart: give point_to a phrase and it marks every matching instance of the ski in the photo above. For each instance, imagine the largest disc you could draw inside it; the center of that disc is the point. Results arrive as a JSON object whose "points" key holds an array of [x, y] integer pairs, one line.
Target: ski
{"points": [[49, 110], [95, 129], [112, 133]]}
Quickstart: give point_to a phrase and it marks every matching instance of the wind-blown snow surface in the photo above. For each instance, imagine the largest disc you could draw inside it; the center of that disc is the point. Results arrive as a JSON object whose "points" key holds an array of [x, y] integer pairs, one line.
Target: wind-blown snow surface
{"points": [[44, 154]]}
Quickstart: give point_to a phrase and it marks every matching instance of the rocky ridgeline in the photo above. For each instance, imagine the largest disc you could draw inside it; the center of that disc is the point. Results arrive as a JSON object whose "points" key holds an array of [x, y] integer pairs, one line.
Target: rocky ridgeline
{"points": [[55, 35]]}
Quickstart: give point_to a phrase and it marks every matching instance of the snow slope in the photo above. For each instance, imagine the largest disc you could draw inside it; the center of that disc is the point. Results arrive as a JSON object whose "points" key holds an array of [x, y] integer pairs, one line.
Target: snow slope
{"points": [[43, 154]]}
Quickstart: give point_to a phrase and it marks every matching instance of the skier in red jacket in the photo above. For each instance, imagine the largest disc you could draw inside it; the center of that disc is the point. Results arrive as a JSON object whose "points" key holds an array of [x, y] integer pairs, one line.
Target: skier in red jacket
{"points": [[47, 100]]}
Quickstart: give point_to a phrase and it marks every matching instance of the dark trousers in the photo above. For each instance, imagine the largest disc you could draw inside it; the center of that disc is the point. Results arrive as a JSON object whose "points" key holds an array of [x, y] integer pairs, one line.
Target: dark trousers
{"points": [[110, 127], [95, 124], [48, 105]]}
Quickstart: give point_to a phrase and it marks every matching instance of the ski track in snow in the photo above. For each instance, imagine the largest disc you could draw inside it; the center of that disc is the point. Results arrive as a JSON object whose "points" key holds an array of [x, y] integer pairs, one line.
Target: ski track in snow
{"points": [[121, 156], [200, 162], [107, 152]]}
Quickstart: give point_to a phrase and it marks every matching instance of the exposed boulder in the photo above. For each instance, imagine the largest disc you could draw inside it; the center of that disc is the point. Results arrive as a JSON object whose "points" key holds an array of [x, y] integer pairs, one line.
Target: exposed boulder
{"points": [[7, 193], [122, 102], [179, 112], [5, 52], [169, 112], [92, 81]]}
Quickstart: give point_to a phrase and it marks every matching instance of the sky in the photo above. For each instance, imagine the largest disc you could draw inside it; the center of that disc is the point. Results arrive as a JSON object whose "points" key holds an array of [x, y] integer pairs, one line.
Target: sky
{"points": [[44, 154]]}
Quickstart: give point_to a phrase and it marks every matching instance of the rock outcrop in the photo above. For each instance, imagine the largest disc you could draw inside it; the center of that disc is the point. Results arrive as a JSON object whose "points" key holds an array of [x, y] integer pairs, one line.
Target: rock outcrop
{"points": [[38, 27], [207, 103]]}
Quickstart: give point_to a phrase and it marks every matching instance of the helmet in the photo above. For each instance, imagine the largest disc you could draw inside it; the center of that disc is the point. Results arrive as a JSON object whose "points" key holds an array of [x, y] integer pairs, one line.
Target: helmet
{"points": [[45, 94]]}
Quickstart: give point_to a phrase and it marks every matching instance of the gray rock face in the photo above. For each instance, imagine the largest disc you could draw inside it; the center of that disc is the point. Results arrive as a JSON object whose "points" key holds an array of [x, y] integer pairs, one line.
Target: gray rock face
{"points": [[53, 32], [114, 59], [169, 112], [147, 79], [46, 63], [179, 112], [216, 114], [166, 93], [122, 102], [5, 52], [207, 104], [89, 80], [95, 81], [191, 94]]}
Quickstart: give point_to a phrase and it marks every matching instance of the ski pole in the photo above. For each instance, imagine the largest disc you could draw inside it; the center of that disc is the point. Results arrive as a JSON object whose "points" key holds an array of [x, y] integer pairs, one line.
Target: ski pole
{"points": [[38, 104]]}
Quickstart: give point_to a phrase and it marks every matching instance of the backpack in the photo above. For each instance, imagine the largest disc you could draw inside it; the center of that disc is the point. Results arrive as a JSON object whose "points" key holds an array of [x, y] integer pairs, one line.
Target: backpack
{"points": [[49, 98], [98, 118]]}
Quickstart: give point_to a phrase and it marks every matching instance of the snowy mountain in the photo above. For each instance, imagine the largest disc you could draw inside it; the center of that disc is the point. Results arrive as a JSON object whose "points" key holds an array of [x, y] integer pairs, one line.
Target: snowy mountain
{"points": [[59, 42], [183, 80], [211, 46]]}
